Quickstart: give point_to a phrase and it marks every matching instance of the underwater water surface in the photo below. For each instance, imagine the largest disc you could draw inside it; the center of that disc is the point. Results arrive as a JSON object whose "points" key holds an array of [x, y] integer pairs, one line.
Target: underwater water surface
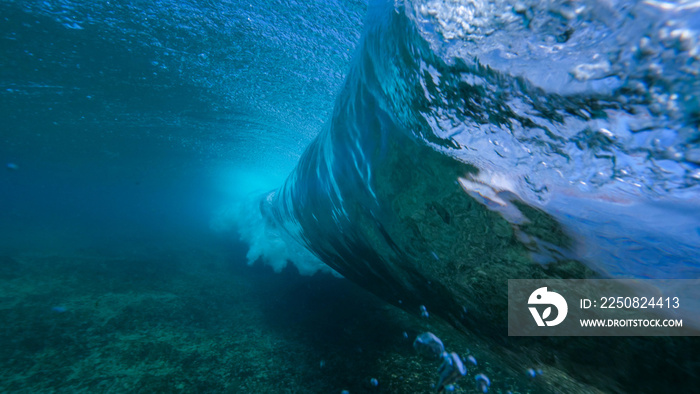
{"points": [[322, 196]]}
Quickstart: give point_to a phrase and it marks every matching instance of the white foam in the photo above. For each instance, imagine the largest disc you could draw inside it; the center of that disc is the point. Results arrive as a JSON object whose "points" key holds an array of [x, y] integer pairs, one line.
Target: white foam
{"points": [[268, 243]]}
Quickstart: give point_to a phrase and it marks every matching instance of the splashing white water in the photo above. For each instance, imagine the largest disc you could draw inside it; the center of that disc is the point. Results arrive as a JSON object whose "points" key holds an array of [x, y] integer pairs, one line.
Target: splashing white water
{"points": [[267, 242]]}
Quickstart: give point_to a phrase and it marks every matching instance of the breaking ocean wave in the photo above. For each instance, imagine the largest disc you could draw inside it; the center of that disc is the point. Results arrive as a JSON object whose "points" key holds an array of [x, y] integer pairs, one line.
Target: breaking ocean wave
{"points": [[479, 140]]}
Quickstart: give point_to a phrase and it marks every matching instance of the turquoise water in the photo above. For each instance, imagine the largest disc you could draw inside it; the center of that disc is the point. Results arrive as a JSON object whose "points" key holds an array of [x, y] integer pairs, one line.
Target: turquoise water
{"points": [[426, 151]]}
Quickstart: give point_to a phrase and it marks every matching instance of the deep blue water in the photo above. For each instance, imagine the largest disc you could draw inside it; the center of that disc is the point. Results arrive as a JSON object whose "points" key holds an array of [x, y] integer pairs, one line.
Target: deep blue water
{"points": [[425, 150], [139, 120]]}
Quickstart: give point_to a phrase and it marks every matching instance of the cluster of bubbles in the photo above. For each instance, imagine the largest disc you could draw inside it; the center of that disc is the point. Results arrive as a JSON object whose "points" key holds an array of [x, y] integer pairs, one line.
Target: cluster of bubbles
{"points": [[424, 312], [531, 372], [452, 367]]}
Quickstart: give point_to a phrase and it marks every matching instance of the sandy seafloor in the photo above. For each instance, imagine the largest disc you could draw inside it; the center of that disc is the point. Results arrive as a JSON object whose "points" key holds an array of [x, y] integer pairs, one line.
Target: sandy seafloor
{"points": [[200, 320]]}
